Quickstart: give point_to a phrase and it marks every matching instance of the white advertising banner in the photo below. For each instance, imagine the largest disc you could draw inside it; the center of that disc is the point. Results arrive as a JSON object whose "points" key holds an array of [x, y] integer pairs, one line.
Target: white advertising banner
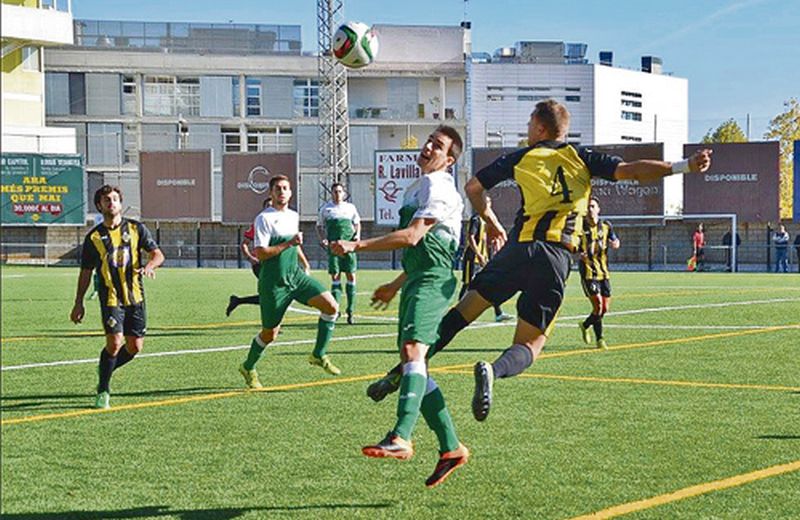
{"points": [[395, 171]]}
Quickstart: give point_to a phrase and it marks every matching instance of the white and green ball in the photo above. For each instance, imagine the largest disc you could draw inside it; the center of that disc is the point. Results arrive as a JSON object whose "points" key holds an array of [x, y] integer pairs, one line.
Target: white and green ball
{"points": [[355, 45]]}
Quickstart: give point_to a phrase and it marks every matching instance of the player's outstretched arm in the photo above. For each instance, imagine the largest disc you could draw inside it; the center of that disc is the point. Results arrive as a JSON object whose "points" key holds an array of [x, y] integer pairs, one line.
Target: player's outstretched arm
{"points": [[384, 294], [647, 170], [265, 253], [406, 237], [155, 261]]}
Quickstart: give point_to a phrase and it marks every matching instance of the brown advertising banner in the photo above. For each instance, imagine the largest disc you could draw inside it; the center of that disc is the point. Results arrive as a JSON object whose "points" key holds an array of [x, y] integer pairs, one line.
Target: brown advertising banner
{"points": [[245, 182], [743, 179], [616, 198], [630, 197], [176, 185]]}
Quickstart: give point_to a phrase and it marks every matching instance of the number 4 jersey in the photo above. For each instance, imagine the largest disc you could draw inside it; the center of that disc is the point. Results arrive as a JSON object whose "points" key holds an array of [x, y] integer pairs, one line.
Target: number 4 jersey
{"points": [[554, 179]]}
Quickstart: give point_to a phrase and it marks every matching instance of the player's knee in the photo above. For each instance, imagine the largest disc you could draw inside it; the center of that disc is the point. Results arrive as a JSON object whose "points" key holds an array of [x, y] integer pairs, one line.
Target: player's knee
{"points": [[268, 335], [329, 306], [413, 351]]}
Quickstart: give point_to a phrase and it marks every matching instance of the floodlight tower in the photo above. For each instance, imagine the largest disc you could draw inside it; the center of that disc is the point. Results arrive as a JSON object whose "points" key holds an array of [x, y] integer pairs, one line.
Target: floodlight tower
{"points": [[334, 122]]}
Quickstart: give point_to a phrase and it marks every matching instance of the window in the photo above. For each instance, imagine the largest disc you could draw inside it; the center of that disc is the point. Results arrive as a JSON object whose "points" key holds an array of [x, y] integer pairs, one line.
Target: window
{"points": [[130, 145], [494, 98], [306, 98], [631, 94], [526, 98], [30, 59], [542, 88], [171, 96], [270, 139], [631, 116], [236, 96], [575, 135], [231, 140], [631, 138], [573, 99], [494, 89], [572, 89], [129, 88], [629, 103], [253, 93]]}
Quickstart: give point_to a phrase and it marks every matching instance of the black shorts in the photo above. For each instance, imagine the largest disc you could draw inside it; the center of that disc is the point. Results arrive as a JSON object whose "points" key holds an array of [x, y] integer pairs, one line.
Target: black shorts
{"points": [[593, 287], [129, 320], [538, 269]]}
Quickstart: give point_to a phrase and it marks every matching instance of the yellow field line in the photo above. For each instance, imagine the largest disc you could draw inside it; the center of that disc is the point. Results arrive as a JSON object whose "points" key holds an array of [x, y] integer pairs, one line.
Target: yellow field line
{"points": [[183, 400], [325, 382], [692, 491], [657, 343], [658, 382]]}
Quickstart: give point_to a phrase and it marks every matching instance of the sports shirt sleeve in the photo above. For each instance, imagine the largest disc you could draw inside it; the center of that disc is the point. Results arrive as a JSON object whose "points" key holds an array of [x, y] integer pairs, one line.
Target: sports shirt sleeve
{"points": [[89, 255], [146, 240], [321, 215], [501, 169], [262, 232], [431, 203], [600, 164], [356, 216], [250, 234]]}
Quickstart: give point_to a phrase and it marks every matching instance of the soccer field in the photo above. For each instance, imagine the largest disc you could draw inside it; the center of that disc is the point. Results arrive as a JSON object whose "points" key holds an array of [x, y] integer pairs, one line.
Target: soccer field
{"points": [[691, 413]]}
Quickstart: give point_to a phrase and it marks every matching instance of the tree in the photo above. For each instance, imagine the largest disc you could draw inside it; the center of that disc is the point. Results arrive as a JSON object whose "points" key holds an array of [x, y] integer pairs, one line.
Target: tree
{"points": [[727, 132], [785, 128]]}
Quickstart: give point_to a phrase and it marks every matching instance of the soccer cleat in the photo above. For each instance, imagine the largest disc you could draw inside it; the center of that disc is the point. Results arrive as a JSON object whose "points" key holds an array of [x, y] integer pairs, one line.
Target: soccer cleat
{"points": [[601, 344], [503, 317], [250, 377], [482, 398], [392, 447], [585, 333], [350, 320], [233, 302], [448, 462], [102, 401], [325, 363], [384, 386]]}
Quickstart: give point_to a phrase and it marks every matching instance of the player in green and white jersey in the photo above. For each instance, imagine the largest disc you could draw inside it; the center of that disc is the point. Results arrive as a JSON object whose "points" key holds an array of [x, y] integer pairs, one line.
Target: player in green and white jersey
{"points": [[430, 222], [339, 220], [281, 281]]}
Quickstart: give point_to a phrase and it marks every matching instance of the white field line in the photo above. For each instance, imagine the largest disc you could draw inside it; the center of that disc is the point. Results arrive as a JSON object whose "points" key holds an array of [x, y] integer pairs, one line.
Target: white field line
{"points": [[393, 334]]}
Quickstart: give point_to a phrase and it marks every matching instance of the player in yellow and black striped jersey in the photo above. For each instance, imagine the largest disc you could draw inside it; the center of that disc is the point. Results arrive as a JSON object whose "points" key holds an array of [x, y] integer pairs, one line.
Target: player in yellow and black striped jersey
{"points": [[113, 249], [597, 237], [554, 179]]}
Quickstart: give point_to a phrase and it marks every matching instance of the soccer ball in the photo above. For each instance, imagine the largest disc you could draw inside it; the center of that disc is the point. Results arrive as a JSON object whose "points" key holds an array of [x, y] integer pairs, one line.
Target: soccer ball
{"points": [[355, 45]]}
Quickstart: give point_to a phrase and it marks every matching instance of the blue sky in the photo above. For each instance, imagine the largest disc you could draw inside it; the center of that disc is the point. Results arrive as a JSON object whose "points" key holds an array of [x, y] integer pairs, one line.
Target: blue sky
{"points": [[740, 56]]}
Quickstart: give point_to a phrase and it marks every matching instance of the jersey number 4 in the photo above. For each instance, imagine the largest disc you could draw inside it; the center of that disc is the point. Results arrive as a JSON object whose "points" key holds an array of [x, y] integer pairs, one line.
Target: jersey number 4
{"points": [[560, 186]]}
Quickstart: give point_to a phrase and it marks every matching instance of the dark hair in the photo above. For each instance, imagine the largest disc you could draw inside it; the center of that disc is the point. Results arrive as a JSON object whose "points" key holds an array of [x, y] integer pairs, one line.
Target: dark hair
{"points": [[276, 179], [593, 198], [266, 202], [337, 184], [105, 190], [553, 116], [457, 144]]}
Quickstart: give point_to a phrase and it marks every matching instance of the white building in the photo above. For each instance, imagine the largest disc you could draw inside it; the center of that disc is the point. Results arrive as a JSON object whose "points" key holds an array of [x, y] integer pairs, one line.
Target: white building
{"points": [[609, 105], [28, 26]]}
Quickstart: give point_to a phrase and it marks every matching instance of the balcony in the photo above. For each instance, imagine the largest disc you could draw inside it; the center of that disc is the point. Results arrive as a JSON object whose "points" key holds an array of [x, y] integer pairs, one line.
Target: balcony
{"points": [[47, 25]]}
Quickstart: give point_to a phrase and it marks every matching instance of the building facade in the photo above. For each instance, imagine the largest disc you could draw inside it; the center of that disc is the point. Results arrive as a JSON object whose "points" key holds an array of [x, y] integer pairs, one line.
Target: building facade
{"points": [[28, 27], [128, 87]]}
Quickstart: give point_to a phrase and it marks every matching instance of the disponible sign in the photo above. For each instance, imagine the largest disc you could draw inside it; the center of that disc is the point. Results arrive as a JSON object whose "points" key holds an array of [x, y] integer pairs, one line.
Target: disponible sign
{"points": [[42, 189], [630, 197], [743, 179], [176, 185], [395, 171], [245, 182]]}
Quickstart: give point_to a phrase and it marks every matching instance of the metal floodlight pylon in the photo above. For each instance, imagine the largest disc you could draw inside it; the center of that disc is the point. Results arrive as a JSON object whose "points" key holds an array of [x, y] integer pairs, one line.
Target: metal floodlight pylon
{"points": [[334, 121]]}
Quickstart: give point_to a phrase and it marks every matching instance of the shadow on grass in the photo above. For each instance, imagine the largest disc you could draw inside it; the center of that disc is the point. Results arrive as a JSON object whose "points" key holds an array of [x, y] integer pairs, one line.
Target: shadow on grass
{"points": [[8, 402], [779, 437], [184, 514]]}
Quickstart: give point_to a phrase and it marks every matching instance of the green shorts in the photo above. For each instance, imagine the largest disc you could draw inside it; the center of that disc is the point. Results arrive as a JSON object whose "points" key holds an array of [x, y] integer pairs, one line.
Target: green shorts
{"points": [[341, 264], [425, 298], [275, 299]]}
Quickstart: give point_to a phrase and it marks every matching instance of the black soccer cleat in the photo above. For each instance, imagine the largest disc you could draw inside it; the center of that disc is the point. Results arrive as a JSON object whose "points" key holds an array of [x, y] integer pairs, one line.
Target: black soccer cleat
{"points": [[350, 320], [482, 398], [384, 386], [233, 302]]}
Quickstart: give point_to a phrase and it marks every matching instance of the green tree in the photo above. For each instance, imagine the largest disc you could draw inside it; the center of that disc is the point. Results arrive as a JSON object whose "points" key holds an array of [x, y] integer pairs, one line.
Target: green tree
{"points": [[727, 132], [785, 128]]}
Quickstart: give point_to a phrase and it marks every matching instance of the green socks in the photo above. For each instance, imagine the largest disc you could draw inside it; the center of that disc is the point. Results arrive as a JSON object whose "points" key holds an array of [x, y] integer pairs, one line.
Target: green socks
{"points": [[336, 291], [351, 296], [412, 390], [436, 414], [325, 326], [256, 350]]}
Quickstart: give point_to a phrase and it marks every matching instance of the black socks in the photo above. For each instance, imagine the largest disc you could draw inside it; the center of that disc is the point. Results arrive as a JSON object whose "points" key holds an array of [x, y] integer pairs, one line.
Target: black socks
{"points": [[514, 360]]}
